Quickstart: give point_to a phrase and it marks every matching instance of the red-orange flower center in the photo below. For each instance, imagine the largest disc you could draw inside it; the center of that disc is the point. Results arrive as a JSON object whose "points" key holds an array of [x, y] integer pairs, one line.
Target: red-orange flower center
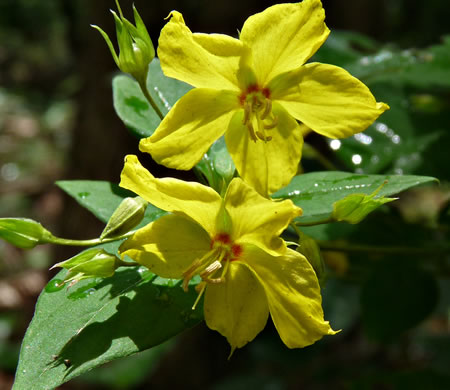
{"points": [[258, 116], [224, 241]]}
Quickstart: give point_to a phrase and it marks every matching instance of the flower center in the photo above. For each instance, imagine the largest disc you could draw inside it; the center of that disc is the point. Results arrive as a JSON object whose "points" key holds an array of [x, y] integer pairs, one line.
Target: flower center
{"points": [[258, 112], [213, 266]]}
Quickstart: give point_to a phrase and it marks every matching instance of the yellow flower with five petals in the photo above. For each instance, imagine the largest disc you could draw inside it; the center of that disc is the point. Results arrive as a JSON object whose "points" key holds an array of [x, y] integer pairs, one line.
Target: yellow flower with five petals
{"points": [[233, 243], [254, 90]]}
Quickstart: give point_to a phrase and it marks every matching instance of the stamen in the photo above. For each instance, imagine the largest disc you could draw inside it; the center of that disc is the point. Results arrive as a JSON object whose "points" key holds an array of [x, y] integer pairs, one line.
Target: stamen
{"points": [[247, 113], [213, 268], [210, 269], [196, 266], [202, 287], [273, 124], [267, 109], [252, 131], [262, 137]]}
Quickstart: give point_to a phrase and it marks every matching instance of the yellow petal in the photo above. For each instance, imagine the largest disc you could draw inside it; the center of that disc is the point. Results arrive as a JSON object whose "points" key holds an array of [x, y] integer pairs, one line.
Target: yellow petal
{"points": [[167, 246], [258, 220], [284, 36], [202, 60], [293, 294], [194, 200], [327, 99], [198, 119], [266, 166], [238, 307]]}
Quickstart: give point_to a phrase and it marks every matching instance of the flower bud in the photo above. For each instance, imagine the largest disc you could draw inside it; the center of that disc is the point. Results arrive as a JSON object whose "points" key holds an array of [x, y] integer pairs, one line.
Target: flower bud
{"points": [[355, 207], [94, 262], [23, 233], [309, 248], [136, 50], [128, 215]]}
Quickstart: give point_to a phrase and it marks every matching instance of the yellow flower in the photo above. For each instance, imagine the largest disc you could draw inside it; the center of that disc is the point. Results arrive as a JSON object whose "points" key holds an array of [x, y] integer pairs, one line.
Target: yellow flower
{"points": [[254, 90], [234, 245]]}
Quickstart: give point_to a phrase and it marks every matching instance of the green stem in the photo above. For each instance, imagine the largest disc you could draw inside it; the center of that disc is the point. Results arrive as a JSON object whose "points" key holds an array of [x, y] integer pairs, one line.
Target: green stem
{"points": [[96, 241], [143, 85], [388, 250]]}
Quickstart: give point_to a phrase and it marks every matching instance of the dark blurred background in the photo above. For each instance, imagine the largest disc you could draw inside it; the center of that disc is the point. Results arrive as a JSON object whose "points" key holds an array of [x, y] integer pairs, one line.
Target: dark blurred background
{"points": [[57, 122]]}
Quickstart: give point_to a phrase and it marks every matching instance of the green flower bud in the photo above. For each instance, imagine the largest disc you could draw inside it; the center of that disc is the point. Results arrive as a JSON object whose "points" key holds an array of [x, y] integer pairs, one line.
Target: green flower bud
{"points": [[136, 49], [309, 248], [94, 262], [23, 233], [355, 207], [128, 215]]}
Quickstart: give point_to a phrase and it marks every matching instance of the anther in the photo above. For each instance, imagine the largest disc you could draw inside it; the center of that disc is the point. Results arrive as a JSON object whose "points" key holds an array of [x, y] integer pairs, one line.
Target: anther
{"points": [[262, 137], [210, 269]]}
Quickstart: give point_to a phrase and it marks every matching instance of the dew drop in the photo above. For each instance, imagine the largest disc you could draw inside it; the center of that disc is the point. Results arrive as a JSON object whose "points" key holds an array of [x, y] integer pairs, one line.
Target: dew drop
{"points": [[163, 99], [396, 139], [363, 138], [335, 144], [54, 285], [294, 193], [83, 195], [381, 127], [356, 159]]}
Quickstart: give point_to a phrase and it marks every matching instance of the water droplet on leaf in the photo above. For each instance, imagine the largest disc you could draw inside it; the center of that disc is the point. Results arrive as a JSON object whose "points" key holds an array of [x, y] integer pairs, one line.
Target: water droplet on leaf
{"points": [[54, 285]]}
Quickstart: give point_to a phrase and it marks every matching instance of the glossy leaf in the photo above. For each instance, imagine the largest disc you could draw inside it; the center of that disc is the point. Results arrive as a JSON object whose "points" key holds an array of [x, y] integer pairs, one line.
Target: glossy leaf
{"points": [[133, 108], [217, 166], [316, 192], [99, 320], [419, 68], [102, 198], [74, 330]]}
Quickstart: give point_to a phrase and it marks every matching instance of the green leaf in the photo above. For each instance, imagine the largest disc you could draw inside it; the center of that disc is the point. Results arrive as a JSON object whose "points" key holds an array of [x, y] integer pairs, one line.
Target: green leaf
{"points": [[341, 48], [396, 297], [394, 143], [419, 68], [102, 198], [316, 192], [217, 166], [132, 106], [97, 321], [92, 323]]}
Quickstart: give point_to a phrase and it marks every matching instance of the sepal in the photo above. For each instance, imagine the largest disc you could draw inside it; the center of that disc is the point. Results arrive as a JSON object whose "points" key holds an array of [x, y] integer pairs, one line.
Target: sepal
{"points": [[23, 232], [128, 215], [355, 207], [136, 49], [93, 262]]}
